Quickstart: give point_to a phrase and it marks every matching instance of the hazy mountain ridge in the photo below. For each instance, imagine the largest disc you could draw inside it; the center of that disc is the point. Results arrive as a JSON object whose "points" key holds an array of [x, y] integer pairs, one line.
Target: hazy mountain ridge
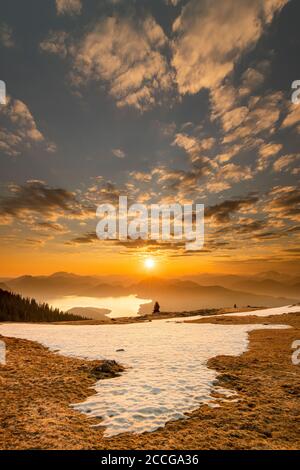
{"points": [[3, 286], [188, 295], [173, 294], [63, 283], [269, 286], [270, 282]]}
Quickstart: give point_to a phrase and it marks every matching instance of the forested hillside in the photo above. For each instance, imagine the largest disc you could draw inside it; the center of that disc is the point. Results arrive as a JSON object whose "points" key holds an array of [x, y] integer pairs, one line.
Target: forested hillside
{"points": [[15, 308]]}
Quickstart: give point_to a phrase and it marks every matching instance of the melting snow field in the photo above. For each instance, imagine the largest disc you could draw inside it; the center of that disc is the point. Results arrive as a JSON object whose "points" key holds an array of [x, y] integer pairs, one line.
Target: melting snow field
{"points": [[266, 311], [167, 374]]}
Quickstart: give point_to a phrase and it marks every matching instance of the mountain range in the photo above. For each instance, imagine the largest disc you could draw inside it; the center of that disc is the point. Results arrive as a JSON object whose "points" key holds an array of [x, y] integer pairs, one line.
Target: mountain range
{"points": [[183, 294]]}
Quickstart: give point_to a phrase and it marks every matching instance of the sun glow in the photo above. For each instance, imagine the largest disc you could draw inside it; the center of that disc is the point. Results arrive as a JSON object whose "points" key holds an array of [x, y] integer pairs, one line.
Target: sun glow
{"points": [[149, 263]]}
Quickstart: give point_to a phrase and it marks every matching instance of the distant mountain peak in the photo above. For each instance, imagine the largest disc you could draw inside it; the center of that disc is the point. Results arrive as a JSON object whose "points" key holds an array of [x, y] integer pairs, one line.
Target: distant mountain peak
{"points": [[62, 274]]}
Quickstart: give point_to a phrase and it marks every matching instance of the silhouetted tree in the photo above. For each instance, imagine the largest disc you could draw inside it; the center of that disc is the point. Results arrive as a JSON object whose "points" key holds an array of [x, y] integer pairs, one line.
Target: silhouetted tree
{"points": [[156, 308]]}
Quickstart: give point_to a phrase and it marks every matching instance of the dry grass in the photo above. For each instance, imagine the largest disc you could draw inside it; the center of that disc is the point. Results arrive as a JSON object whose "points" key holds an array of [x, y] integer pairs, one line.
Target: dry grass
{"points": [[292, 319], [159, 316], [38, 387]]}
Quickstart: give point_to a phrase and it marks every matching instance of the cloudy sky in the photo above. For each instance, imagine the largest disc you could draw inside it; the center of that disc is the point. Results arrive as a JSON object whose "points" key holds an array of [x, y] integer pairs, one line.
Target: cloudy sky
{"points": [[163, 101]]}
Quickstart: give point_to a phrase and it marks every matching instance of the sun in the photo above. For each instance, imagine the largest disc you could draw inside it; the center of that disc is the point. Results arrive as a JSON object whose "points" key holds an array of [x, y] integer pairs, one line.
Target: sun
{"points": [[149, 263]]}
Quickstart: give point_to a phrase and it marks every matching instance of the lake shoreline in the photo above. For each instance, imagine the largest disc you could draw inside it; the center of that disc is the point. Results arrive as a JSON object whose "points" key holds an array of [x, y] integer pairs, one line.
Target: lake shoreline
{"points": [[39, 386], [202, 313], [162, 316]]}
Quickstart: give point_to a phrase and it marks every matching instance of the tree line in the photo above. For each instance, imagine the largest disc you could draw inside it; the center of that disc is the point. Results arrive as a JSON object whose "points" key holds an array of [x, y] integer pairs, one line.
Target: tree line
{"points": [[15, 308]]}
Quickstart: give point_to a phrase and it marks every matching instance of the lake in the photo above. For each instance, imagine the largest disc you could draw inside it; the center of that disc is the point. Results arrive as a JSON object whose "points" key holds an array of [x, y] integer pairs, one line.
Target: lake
{"points": [[126, 306]]}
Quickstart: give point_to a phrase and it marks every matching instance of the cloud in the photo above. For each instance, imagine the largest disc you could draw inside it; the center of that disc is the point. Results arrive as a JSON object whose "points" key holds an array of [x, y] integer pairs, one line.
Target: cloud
{"points": [[56, 43], [293, 117], [212, 36], [34, 241], [153, 246], [126, 54], [244, 121], [193, 145], [141, 176], [253, 78], [6, 35], [150, 246], [104, 192], [51, 226], [219, 177], [262, 116], [217, 186], [234, 173], [173, 3], [119, 153], [223, 98], [234, 118], [284, 162], [284, 203], [182, 184], [266, 152], [248, 226], [224, 176], [19, 129], [36, 198], [228, 152], [175, 180], [222, 212], [139, 65], [68, 7], [87, 238], [225, 105], [296, 171], [293, 250], [269, 150]]}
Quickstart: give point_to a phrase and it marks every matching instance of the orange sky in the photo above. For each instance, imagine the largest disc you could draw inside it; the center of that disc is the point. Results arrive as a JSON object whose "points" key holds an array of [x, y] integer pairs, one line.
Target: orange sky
{"points": [[162, 102], [38, 262]]}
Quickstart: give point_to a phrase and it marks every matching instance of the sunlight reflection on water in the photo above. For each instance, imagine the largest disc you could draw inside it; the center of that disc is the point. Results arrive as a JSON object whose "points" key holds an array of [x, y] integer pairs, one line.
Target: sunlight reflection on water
{"points": [[126, 306]]}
